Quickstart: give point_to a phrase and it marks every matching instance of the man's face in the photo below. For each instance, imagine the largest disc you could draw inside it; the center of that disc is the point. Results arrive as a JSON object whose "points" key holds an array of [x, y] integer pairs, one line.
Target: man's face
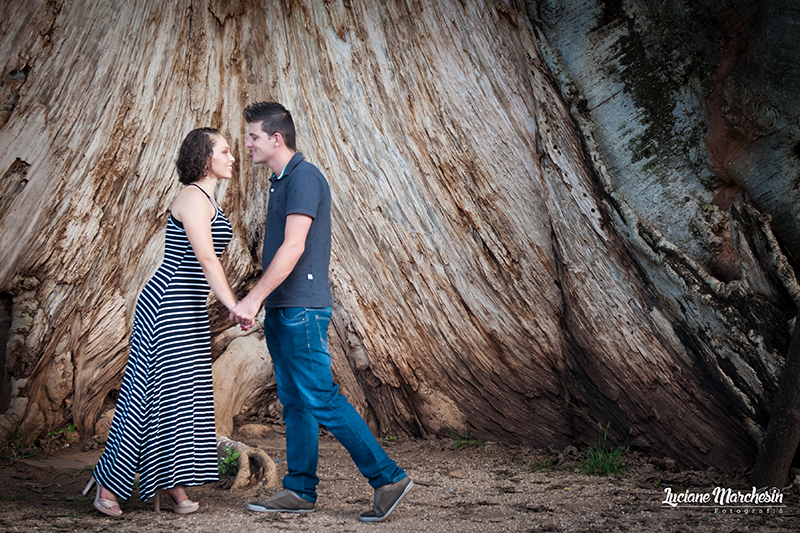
{"points": [[260, 144]]}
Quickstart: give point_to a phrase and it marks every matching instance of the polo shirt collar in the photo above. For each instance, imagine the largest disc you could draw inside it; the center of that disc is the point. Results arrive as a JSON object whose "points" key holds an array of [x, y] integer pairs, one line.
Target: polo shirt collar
{"points": [[293, 162]]}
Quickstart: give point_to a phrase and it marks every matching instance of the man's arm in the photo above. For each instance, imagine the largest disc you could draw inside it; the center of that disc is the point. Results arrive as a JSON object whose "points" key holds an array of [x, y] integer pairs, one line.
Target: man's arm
{"points": [[294, 243]]}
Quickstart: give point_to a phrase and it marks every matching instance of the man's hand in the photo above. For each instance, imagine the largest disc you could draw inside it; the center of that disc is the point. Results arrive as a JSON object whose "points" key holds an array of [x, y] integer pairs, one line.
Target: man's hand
{"points": [[245, 311]]}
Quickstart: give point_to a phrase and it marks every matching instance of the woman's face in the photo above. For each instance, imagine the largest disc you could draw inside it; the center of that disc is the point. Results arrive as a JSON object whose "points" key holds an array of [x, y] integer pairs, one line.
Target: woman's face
{"points": [[221, 159]]}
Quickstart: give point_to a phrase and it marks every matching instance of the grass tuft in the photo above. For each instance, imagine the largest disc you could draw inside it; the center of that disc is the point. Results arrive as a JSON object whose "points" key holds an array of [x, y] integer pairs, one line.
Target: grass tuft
{"points": [[600, 461], [465, 441], [14, 444]]}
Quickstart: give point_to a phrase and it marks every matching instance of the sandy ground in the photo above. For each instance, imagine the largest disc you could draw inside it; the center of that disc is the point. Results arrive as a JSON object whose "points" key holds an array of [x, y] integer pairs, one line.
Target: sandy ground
{"points": [[487, 488]]}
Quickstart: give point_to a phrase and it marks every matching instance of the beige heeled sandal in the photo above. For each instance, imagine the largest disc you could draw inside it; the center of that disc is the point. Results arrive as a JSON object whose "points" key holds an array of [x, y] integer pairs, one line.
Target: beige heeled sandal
{"points": [[105, 506], [185, 507]]}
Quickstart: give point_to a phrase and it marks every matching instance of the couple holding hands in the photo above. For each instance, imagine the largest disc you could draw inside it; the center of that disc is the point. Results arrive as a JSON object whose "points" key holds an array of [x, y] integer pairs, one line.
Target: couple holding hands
{"points": [[163, 426]]}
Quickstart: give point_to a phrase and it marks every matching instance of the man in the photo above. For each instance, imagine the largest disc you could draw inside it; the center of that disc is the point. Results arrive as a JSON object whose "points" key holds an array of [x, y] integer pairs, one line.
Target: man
{"points": [[297, 244]]}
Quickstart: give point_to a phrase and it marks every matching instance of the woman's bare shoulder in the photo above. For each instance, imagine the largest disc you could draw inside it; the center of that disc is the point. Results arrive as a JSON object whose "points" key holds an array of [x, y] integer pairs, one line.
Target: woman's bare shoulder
{"points": [[187, 202]]}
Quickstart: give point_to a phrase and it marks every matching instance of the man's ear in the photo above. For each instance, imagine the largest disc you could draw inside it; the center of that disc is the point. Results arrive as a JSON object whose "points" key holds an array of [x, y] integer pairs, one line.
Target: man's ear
{"points": [[278, 139]]}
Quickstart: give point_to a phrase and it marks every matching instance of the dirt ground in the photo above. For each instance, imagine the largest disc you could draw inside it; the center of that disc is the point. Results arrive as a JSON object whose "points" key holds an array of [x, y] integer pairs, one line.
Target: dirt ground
{"points": [[487, 488]]}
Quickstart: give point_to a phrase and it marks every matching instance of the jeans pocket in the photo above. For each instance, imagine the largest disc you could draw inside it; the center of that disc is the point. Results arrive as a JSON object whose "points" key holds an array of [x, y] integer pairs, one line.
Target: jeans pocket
{"points": [[292, 316]]}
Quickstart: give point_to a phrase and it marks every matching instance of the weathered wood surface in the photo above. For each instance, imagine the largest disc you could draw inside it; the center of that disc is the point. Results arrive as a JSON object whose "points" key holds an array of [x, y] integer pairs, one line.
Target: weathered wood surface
{"points": [[782, 435], [497, 267]]}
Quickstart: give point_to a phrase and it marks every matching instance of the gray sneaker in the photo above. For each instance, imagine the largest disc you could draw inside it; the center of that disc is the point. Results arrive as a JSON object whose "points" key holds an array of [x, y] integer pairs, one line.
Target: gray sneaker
{"points": [[386, 499], [283, 501]]}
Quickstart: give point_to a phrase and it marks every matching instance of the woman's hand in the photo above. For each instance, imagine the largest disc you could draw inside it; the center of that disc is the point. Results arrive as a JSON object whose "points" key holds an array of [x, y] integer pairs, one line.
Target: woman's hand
{"points": [[244, 312]]}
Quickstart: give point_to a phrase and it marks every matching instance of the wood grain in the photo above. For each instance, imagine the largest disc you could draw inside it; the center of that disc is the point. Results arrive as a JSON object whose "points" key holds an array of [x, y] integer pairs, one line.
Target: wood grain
{"points": [[488, 279]]}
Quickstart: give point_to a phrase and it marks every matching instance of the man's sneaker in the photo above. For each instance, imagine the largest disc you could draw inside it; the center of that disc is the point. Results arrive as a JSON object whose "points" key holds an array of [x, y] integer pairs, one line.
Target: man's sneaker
{"points": [[283, 501], [386, 499]]}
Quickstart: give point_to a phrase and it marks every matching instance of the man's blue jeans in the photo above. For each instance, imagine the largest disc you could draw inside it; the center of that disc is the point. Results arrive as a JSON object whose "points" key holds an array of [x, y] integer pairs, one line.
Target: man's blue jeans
{"points": [[297, 338]]}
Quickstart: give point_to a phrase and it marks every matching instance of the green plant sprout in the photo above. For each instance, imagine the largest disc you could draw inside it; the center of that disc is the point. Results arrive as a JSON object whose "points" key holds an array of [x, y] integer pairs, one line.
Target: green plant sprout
{"points": [[228, 465], [601, 462], [465, 441]]}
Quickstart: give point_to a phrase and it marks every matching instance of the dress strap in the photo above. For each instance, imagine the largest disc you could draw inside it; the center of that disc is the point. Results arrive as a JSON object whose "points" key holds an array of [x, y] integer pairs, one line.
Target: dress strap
{"points": [[207, 196]]}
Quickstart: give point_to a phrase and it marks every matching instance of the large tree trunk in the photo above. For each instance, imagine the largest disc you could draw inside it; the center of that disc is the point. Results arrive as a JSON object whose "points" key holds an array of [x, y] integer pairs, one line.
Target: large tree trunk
{"points": [[782, 436], [501, 266]]}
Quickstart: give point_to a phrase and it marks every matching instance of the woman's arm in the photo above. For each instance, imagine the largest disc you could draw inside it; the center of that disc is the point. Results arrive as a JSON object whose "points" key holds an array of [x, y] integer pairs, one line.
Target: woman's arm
{"points": [[194, 211]]}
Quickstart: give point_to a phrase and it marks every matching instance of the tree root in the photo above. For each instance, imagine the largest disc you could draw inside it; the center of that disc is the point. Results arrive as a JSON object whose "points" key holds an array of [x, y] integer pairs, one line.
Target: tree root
{"points": [[256, 468]]}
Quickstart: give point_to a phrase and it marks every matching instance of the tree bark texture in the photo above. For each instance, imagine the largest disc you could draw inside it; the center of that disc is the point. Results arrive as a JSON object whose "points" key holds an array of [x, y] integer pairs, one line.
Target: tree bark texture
{"points": [[502, 263], [782, 436]]}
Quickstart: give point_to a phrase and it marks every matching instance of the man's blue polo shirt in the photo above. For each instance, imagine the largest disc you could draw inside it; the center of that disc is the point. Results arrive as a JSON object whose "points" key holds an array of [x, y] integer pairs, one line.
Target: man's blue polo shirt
{"points": [[301, 188]]}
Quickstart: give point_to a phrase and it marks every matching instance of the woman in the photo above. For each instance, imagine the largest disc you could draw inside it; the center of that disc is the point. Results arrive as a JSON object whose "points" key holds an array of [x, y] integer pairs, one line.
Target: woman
{"points": [[163, 426]]}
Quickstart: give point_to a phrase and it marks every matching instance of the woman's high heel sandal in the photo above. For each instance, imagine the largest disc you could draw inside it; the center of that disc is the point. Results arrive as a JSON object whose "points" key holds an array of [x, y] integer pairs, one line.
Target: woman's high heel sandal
{"points": [[185, 507], [109, 507]]}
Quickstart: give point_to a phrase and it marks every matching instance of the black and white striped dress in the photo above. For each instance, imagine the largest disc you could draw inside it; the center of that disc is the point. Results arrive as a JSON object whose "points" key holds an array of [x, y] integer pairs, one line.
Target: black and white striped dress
{"points": [[163, 426]]}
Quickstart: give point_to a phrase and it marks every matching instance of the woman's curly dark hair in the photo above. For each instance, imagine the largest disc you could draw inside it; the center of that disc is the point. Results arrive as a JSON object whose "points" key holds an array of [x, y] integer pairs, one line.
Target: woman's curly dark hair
{"points": [[194, 157]]}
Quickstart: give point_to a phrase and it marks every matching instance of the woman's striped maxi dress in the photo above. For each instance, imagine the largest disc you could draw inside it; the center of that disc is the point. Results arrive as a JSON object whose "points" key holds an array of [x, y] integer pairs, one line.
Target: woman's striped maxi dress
{"points": [[163, 426]]}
